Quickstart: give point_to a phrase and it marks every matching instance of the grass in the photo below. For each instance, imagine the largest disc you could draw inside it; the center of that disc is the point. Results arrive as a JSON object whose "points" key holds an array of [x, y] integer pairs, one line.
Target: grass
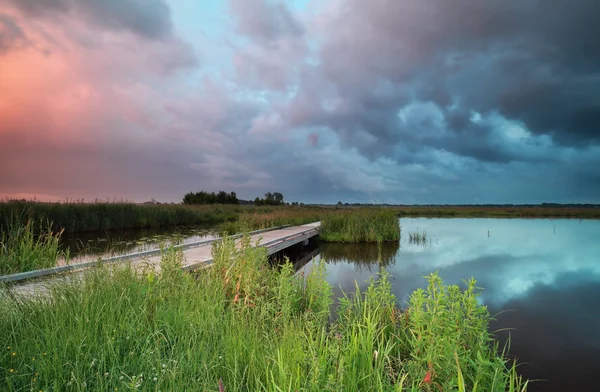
{"points": [[29, 246], [80, 217], [416, 237], [241, 326], [365, 225], [497, 212], [256, 218]]}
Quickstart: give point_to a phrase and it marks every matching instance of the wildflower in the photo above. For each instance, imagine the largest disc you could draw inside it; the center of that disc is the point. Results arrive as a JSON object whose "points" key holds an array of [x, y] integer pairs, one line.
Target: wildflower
{"points": [[427, 378], [44, 353], [164, 366], [106, 374], [8, 347], [32, 359], [155, 379], [14, 354], [12, 370]]}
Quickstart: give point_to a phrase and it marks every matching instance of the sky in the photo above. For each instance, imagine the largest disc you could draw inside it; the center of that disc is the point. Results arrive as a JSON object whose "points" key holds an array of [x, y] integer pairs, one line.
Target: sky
{"points": [[380, 101]]}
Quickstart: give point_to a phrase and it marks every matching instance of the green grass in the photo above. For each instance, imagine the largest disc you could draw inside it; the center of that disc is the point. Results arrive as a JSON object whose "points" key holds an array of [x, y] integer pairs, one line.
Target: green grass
{"points": [[365, 225], [29, 246], [241, 326], [256, 218], [78, 217]]}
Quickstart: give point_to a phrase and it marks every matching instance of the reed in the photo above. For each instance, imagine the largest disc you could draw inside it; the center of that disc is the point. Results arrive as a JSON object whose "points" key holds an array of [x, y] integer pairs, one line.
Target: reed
{"points": [[241, 326], [79, 217], [29, 246], [416, 237], [257, 218], [364, 225]]}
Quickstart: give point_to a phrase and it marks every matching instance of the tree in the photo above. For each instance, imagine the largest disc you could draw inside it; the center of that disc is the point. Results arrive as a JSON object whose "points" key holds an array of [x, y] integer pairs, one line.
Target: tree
{"points": [[203, 197]]}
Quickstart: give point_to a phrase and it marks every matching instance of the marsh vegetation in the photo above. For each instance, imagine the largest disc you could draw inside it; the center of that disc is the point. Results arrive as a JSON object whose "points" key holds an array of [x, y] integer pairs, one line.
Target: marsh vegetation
{"points": [[241, 325], [29, 246]]}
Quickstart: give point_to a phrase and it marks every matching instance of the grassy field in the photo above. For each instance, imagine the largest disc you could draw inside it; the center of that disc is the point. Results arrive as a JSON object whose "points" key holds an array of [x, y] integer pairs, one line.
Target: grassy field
{"points": [[241, 326], [80, 217], [497, 212]]}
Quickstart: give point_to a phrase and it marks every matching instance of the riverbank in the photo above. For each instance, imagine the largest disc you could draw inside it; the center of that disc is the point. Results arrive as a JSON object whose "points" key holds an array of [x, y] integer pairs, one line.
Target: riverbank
{"points": [[244, 326], [86, 217]]}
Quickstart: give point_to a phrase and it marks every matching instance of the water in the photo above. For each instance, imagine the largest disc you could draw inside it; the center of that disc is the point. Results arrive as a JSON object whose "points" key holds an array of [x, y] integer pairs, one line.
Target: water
{"points": [[540, 277], [91, 245]]}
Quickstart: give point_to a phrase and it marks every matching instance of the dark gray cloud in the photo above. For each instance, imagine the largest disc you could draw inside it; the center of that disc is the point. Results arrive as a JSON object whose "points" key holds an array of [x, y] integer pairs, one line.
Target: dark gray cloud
{"points": [[148, 18], [534, 63]]}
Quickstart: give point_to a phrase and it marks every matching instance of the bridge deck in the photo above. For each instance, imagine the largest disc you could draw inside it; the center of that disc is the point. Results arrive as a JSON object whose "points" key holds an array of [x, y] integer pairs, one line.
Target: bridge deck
{"points": [[195, 255]]}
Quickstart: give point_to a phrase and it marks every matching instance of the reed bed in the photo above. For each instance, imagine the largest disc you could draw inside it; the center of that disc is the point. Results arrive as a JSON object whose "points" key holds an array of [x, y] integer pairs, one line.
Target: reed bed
{"points": [[29, 246], [498, 212], [241, 326], [79, 217], [265, 217], [365, 225]]}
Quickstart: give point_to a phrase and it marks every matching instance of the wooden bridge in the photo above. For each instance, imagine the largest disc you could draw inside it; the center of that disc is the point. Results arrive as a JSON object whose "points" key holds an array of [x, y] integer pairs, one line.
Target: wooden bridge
{"points": [[195, 255]]}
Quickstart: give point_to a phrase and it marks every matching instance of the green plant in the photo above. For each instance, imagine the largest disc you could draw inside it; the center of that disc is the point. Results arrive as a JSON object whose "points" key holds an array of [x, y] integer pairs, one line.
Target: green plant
{"points": [[417, 237], [242, 326], [27, 246], [367, 225]]}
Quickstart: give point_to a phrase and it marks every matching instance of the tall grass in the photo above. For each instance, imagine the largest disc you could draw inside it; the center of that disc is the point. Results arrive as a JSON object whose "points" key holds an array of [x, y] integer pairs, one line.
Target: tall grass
{"points": [[366, 225], [29, 246], [241, 326], [78, 217], [265, 217]]}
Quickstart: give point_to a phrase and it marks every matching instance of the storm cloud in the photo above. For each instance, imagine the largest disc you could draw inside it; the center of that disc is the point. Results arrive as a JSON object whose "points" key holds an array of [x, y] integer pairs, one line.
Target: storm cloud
{"points": [[406, 101]]}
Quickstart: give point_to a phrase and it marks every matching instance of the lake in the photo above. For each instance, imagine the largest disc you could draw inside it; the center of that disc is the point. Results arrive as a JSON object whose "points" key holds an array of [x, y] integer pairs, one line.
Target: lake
{"points": [[541, 278]]}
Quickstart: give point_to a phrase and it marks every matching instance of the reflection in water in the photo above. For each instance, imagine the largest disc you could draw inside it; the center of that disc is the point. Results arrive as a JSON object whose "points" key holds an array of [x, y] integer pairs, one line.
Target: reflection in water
{"points": [[541, 277], [90, 245], [361, 255]]}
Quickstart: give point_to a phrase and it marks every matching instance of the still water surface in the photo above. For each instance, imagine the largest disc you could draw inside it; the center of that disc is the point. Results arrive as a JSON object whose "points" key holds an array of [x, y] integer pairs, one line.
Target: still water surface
{"points": [[540, 277]]}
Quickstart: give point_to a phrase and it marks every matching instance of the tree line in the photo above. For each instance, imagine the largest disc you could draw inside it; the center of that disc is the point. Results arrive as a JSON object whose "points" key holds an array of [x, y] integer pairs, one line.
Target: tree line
{"points": [[203, 197], [222, 197]]}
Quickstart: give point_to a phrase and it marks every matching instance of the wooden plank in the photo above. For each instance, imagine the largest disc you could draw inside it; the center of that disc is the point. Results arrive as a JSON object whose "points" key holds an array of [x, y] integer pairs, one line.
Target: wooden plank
{"points": [[196, 255], [137, 255]]}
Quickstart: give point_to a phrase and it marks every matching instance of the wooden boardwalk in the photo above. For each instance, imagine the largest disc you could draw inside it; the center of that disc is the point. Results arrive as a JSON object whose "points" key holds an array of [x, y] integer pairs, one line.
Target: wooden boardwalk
{"points": [[195, 255]]}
